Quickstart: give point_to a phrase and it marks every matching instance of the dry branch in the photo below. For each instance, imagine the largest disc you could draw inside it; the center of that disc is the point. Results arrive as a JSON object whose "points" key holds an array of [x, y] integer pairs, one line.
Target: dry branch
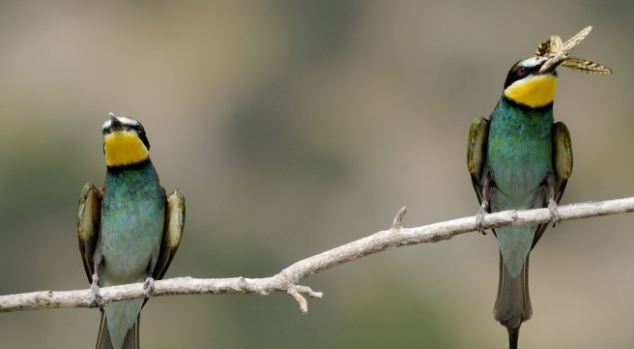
{"points": [[287, 280]]}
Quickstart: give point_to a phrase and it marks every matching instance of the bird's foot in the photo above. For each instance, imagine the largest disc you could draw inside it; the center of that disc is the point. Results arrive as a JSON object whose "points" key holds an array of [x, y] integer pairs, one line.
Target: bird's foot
{"points": [[94, 287], [148, 287], [480, 218], [554, 212]]}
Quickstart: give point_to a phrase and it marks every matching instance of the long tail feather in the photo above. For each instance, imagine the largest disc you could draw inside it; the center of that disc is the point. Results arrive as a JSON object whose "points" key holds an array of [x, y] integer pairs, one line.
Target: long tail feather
{"points": [[131, 340], [514, 335], [513, 304]]}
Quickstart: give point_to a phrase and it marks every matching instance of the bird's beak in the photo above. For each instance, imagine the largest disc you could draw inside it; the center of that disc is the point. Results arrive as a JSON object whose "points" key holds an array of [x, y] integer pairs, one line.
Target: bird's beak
{"points": [[115, 123], [553, 62]]}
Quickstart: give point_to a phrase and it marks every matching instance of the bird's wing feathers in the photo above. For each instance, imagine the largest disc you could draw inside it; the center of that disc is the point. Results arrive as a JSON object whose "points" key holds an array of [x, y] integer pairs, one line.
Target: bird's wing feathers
{"points": [[477, 151], [562, 164], [562, 157], [172, 233], [88, 218]]}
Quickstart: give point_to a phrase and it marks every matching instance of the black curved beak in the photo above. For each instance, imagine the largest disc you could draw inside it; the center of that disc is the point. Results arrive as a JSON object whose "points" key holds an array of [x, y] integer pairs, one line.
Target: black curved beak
{"points": [[553, 62], [115, 123]]}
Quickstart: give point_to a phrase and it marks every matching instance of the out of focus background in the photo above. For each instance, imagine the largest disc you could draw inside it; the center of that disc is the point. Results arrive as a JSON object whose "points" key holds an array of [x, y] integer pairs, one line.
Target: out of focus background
{"points": [[296, 126]]}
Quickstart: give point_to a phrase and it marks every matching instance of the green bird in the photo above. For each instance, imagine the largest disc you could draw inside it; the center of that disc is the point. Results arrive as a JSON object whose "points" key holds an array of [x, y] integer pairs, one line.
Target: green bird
{"points": [[519, 158], [129, 231]]}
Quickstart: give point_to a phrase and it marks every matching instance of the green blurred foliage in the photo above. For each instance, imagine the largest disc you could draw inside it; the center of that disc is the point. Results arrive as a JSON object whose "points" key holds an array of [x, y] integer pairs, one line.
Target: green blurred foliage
{"points": [[296, 126]]}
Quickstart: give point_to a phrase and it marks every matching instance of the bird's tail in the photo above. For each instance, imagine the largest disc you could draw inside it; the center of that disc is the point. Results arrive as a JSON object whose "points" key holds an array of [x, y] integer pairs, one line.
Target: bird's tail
{"points": [[513, 304], [131, 340]]}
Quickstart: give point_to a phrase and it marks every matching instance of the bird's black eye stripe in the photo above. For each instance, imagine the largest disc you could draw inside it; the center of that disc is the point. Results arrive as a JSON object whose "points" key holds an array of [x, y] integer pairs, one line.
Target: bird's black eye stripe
{"points": [[124, 127], [143, 137], [519, 72], [139, 130]]}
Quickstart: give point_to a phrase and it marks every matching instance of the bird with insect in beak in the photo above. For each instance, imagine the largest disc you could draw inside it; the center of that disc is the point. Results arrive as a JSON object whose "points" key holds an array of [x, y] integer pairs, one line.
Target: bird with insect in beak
{"points": [[129, 231], [519, 158]]}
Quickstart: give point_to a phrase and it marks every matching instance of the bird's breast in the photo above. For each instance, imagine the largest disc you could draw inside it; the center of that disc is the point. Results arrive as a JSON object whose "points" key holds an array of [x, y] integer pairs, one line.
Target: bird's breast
{"points": [[519, 155], [132, 218]]}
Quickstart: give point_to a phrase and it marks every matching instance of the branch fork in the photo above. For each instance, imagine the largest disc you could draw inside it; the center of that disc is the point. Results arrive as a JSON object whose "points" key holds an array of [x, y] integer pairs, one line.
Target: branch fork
{"points": [[297, 292]]}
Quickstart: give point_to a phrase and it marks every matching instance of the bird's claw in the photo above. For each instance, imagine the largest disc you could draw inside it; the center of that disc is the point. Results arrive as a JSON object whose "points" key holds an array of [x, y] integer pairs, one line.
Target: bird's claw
{"points": [[94, 287], [148, 286], [480, 218], [554, 212]]}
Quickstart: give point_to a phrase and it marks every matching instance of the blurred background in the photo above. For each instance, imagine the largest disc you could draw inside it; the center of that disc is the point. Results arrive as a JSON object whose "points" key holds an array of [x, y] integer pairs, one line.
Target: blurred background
{"points": [[296, 126]]}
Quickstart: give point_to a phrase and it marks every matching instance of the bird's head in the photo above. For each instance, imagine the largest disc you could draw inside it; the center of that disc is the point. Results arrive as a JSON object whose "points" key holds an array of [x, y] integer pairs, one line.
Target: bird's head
{"points": [[528, 84], [532, 82], [124, 141]]}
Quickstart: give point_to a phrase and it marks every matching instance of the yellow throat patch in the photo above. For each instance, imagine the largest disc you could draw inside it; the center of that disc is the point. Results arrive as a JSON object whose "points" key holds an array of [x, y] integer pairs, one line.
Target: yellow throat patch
{"points": [[124, 148], [533, 91]]}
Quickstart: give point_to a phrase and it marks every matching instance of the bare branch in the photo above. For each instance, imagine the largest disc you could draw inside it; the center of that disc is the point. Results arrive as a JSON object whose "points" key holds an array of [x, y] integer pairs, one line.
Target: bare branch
{"points": [[287, 280]]}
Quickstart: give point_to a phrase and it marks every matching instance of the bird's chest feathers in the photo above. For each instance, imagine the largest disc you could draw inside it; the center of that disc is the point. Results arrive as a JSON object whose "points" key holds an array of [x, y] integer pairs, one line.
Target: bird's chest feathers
{"points": [[520, 151], [132, 217]]}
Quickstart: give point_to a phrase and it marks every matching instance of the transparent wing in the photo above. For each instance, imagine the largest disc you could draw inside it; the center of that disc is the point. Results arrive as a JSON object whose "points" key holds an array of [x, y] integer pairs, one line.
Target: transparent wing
{"points": [[555, 44], [576, 39], [586, 66]]}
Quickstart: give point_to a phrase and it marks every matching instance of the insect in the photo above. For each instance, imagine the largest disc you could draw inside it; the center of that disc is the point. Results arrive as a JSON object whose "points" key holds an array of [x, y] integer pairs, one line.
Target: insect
{"points": [[556, 48]]}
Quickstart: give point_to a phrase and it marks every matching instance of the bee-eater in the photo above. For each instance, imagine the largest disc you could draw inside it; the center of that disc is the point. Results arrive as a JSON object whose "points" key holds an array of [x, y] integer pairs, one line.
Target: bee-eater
{"points": [[519, 158], [129, 231]]}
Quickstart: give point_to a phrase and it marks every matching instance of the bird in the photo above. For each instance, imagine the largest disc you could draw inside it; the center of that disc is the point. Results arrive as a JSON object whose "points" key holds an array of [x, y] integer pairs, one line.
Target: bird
{"points": [[129, 231], [520, 158]]}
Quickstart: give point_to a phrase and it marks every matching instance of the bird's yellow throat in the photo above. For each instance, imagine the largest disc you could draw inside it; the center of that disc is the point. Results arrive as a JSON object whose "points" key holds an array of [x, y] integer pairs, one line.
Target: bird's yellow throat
{"points": [[124, 148], [533, 91]]}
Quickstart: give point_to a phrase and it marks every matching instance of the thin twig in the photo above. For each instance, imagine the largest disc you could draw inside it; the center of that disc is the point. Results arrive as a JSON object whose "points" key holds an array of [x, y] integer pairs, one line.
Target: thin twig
{"points": [[287, 280], [397, 223]]}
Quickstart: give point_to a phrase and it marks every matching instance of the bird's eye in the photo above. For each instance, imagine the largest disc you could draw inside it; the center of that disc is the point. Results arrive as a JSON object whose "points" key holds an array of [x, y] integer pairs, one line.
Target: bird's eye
{"points": [[522, 71]]}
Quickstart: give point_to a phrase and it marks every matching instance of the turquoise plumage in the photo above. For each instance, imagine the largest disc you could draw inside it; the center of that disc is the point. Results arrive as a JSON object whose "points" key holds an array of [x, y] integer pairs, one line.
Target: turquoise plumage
{"points": [[132, 220], [130, 231], [519, 158]]}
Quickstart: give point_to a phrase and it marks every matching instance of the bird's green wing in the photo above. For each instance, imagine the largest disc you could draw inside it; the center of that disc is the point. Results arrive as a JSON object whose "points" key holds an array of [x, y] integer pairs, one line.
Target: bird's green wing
{"points": [[562, 164], [477, 151], [562, 157], [88, 218], [172, 233]]}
